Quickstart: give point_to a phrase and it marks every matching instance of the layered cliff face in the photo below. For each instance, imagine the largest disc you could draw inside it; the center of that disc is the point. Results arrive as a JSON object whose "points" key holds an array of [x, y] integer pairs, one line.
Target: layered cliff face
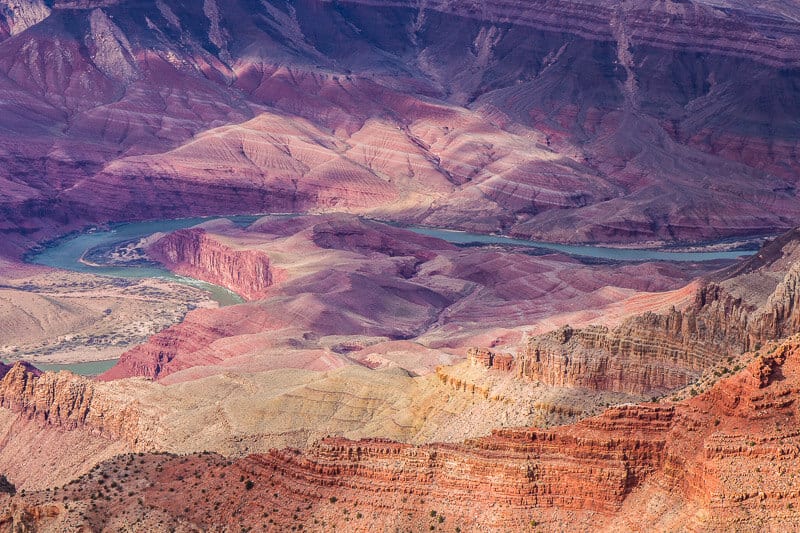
{"points": [[196, 254], [62, 401], [56, 427], [741, 308], [561, 120], [721, 460]]}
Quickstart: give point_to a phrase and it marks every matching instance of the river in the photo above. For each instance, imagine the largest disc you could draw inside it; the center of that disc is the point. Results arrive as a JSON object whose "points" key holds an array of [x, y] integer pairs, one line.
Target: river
{"points": [[583, 250], [67, 253]]}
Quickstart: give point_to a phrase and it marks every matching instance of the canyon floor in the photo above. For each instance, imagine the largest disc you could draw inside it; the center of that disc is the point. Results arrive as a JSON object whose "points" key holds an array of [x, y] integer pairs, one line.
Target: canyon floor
{"points": [[65, 317]]}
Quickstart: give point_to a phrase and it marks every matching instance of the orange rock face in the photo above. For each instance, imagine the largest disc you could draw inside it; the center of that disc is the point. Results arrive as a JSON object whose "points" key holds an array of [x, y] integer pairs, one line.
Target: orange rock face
{"points": [[57, 400], [489, 359]]}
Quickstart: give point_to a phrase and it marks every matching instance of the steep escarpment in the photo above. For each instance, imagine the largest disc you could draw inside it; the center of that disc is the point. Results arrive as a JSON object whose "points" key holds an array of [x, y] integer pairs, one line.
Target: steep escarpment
{"points": [[195, 253], [718, 461], [742, 308], [65, 401], [57, 426], [698, 26]]}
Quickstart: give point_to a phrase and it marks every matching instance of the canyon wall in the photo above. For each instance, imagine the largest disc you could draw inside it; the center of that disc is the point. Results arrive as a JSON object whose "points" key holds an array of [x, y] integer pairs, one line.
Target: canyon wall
{"points": [[652, 354], [559, 120], [54, 427], [716, 462], [699, 26], [195, 253], [67, 402]]}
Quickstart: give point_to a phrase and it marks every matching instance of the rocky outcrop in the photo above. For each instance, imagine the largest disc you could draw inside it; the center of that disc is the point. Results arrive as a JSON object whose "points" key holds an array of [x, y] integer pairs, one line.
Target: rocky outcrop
{"points": [[652, 354], [195, 253], [23, 366], [489, 359], [16, 17], [592, 470], [6, 487], [186, 344], [720, 461], [66, 402]]}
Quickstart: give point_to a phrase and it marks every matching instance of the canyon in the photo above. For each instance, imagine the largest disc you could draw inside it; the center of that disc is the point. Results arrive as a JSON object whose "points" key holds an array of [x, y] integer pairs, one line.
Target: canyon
{"points": [[353, 290], [388, 373], [636, 467], [365, 375], [547, 119]]}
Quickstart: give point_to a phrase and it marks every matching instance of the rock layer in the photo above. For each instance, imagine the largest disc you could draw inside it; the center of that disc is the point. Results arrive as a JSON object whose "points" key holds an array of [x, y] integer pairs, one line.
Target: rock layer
{"points": [[737, 310], [196, 254], [635, 467]]}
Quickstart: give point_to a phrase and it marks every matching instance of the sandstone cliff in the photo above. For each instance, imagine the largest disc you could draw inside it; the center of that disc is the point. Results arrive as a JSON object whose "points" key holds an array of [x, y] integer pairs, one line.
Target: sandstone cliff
{"points": [[66, 401], [734, 312], [195, 253], [720, 461]]}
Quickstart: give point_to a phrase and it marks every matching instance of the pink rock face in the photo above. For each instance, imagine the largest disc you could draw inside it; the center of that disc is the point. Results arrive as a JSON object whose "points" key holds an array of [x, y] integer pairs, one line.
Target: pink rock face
{"points": [[561, 120], [193, 253]]}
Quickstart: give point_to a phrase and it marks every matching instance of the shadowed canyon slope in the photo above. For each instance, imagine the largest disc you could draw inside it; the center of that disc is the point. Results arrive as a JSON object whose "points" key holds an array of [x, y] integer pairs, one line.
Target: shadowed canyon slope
{"points": [[563, 120]]}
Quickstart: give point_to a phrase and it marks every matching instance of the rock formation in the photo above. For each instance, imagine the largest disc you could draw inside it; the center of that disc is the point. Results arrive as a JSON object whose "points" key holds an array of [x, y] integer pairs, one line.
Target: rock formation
{"points": [[56, 427], [489, 359], [196, 254], [60, 400], [343, 278], [733, 312], [718, 461]]}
